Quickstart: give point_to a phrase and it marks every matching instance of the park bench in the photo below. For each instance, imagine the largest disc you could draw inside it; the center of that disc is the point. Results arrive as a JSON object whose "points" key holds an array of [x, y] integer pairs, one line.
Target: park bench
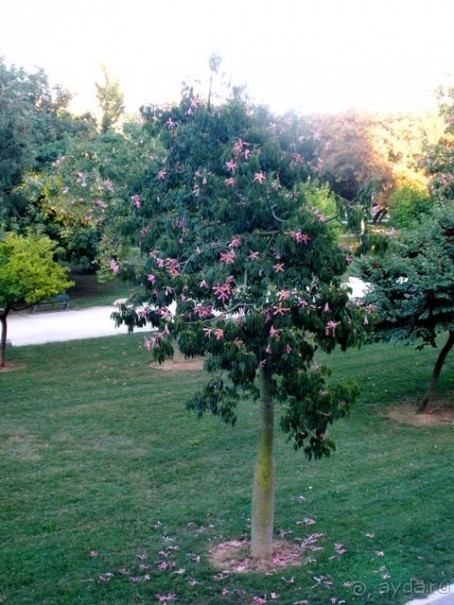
{"points": [[56, 302]]}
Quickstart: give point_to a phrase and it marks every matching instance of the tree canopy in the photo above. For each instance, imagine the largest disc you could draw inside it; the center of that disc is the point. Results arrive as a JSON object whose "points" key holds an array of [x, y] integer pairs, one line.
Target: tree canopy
{"points": [[28, 274]]}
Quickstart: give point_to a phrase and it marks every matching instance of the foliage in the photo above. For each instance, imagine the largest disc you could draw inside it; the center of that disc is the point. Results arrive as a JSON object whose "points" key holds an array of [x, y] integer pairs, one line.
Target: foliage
{"points": [[374, 153], [348, 159], [28, 274], [413, 287], [84, 185], [410, 205], [111, 101]]}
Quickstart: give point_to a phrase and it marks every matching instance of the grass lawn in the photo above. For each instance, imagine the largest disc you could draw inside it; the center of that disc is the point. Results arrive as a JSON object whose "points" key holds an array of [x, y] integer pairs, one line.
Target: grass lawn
{"points": [[112, 494]]}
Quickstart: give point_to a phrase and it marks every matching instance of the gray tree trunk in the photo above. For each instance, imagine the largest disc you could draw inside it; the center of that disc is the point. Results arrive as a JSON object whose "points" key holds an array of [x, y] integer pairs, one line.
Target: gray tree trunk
{"points": [[263, 487]]}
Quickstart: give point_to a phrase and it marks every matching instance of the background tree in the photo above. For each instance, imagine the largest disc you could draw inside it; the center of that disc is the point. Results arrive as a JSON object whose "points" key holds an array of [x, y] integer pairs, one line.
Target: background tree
{"points": [[221, 232], [28, 274], [82, 187], [35, 127], [413, 289], [111, 101], [438, 161]]}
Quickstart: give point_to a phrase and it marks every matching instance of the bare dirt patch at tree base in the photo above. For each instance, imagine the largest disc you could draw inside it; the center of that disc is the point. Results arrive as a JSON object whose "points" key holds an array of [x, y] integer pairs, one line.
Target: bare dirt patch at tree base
{"points": [[441, 414], [11, 366], [234, 557], [179, 365]]}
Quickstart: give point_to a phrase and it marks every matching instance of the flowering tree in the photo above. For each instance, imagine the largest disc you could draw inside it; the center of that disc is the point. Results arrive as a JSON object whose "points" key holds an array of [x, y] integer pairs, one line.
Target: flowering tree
{"points": [[231, 263], [28, 274]]}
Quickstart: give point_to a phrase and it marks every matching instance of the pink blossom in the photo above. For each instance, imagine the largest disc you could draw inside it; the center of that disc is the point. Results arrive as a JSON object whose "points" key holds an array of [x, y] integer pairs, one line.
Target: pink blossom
{"points": [[306, 521], [136, 200], [288, 349], [114, 266], [253, 256], [235, 243], [163, 598], [219, 334], [151, 278], [204, 284], [326, 308], [331, 325], [246, 154], [238, 146], [274, 333], [230, 182], [208, 332], [379, 553], [278, 267], [170, 124], [231, 165], [300, 237], [203, 311], [228, 257], [260, 177], [280, 310], [162, 174], [222, 292], [283, 295], [262, 363], [268, 350], [348, 259]]}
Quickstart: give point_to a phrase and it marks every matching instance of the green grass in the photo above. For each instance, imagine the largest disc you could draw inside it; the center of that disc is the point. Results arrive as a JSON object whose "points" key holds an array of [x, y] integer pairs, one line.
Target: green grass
{"points": [[89, 292], [97, 453]]}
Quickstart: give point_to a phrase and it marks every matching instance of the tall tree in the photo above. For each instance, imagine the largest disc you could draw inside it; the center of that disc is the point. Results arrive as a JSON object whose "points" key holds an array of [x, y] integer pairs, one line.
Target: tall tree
{"points": [[111, 101], [221, 232], [28, 274]]}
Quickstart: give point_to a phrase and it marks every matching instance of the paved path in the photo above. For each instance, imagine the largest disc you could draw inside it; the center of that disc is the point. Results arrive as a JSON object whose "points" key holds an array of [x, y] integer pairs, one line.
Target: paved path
{"points": [[444, 596], [55, 326]]}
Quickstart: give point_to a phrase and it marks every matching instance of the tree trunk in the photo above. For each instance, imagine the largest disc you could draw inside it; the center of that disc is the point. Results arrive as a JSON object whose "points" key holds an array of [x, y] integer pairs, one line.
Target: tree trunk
{"points": [[429, 398], [263, 487], [3, 339]]}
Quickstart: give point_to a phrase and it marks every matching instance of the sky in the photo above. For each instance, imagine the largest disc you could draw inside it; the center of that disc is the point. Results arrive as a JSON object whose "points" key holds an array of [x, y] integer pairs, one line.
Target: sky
{"points": [[305, 55]]}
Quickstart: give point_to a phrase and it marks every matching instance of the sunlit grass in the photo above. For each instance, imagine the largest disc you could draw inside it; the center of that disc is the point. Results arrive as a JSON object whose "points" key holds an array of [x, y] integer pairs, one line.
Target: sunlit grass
{"points": [[112, 493]]}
